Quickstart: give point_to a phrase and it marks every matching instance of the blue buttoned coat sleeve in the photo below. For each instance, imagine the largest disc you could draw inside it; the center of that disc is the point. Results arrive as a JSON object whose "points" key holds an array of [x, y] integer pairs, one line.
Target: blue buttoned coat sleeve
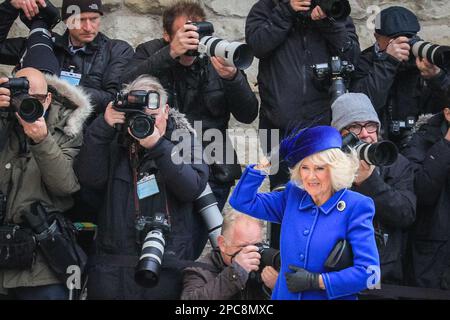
{"points": [[266, 206]]}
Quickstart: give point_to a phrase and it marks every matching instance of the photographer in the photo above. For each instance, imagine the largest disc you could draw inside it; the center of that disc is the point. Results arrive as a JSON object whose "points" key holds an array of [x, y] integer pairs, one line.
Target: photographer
{"points": [[226, 272], [139, 178], [204, 89], [85, 56], [36, 166], [400, 86], [391, 187], [429, 153]]}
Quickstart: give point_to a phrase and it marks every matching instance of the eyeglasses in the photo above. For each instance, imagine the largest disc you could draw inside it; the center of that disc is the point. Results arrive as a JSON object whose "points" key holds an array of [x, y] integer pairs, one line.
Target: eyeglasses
{"points": [[41, 97], [356, 128]]}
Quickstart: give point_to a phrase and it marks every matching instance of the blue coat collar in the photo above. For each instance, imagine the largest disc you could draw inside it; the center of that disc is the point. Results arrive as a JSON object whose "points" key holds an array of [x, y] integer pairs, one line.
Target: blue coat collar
{"points": [[307, 201]]}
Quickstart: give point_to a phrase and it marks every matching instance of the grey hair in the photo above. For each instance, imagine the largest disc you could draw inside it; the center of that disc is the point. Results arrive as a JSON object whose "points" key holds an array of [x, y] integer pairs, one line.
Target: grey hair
{"points": [[231, 216], [147, 82]]}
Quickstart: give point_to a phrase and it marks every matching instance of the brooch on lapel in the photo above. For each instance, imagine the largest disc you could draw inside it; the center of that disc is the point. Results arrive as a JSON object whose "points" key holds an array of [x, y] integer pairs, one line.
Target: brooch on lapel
{"points": [[341, 205]]}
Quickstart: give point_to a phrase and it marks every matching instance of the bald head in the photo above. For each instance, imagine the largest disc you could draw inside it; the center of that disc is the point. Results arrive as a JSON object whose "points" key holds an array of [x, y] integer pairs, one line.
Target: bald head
{"points": [[38, 84]]}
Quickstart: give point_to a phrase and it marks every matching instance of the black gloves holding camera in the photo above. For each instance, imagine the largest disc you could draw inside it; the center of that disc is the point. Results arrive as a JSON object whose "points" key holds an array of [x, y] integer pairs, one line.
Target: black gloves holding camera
{"points": [[301, 280]]}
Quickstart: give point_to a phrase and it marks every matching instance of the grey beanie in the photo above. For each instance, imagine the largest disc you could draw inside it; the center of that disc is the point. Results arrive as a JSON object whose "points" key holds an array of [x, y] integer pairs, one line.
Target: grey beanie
{"points": [[352, 107]]}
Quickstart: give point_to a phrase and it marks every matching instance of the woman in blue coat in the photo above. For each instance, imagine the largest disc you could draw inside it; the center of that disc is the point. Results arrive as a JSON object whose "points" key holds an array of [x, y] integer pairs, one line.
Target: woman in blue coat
{"points": [[315, 211]]}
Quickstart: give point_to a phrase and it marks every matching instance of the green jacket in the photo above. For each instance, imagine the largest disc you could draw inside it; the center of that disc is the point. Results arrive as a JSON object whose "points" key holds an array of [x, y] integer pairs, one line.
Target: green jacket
{"points": [[44, 172]]}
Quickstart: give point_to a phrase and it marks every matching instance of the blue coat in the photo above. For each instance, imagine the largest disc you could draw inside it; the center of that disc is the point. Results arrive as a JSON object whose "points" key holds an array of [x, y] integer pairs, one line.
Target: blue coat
{"points": [[309, 233]]}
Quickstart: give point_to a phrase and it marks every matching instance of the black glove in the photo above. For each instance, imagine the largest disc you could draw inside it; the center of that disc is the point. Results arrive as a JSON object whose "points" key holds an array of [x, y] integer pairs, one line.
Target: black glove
{"points": [[301, 280]]}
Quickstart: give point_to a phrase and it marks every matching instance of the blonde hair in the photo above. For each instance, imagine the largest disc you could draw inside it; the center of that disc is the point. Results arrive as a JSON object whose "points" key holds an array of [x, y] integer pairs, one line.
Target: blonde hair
{"points": [[343, 167]]}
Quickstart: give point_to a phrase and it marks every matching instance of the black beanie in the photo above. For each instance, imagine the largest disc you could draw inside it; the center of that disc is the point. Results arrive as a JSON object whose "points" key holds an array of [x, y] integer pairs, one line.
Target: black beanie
{"points": [[84, 6]]}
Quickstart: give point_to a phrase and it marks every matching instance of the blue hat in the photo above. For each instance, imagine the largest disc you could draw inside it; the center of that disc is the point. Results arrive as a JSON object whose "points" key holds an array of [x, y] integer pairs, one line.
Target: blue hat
{"points": [[300, 144]]}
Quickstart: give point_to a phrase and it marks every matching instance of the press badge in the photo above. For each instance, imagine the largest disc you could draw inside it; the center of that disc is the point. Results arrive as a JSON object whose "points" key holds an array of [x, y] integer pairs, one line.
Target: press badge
{"points": [[71, 77], [147, 187]]}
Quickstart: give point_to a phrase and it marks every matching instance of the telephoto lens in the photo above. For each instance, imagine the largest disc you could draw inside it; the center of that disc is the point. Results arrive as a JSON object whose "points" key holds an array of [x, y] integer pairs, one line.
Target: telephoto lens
{"points": [[235, 54], [382, 153], [436, 54], [206, 205], [155, 229]]}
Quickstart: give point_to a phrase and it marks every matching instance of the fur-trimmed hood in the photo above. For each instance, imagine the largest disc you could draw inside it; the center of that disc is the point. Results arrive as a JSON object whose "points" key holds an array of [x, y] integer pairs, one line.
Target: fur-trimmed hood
{"points": [[423, 119], [181, 122], [71, 97]]}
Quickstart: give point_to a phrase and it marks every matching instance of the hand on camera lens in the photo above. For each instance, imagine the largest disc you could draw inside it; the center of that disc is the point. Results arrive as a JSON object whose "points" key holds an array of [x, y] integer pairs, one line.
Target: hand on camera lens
{"points": [[399, 48], [186, 38], [364, 172], [113, 117], [269, 276], [426, 68], [36, 131], [318, 14], [248, 258], [29, 7], [4, 94], [300, 5], [225, 71]]}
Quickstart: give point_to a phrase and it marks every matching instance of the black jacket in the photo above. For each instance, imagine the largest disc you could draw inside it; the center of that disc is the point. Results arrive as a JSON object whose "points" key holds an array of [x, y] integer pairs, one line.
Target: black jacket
{"points": [[197, 91], [387, 82], [392, 190], [429, 153], [101, 65], [104, 166], [287, 49]]}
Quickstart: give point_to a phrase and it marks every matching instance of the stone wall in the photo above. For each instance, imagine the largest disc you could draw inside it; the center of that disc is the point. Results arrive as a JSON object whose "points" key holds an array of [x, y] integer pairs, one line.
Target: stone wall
{"points": [[137, 21]]}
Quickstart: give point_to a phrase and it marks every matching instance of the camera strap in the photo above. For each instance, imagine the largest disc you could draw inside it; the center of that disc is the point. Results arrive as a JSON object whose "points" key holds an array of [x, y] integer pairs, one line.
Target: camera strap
{"points": [[135, 164]]}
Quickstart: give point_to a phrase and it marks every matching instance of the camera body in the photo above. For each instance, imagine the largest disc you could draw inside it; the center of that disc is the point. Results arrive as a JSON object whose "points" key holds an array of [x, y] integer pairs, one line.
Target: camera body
{"points": [[204, 29], [29, 109], [382, 153], [335, 9], [133, 104], [397, 126], [152, 232], [335, 74]]}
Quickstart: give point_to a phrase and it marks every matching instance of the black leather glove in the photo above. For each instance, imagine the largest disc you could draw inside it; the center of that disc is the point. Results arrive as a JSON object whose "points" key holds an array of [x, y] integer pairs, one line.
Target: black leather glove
{"points": [[301, 280]]}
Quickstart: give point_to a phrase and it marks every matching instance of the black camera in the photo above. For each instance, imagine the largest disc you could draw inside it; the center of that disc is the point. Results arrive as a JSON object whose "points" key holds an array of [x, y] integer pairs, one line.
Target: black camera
{"points": [[335, 74], [235, 54], [270, 257], [29, 109], [152, 232], [436, 54], [335, 9], [204, 29], [397, 126], [382, 153], [134, 103]]}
